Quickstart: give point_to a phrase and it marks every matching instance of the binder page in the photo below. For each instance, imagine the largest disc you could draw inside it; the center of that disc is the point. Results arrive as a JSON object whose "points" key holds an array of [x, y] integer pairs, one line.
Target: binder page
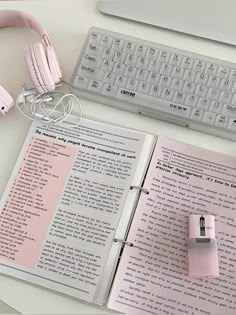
{"points": [[152, 277], [62, 205]]}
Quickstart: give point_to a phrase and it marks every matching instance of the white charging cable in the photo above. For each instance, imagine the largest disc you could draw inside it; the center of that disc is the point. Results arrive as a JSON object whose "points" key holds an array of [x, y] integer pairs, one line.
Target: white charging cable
{"points": [[53, 107]]}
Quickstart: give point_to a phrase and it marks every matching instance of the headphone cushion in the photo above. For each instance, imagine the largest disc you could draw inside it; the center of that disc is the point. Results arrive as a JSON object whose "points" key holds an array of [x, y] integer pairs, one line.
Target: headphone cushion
{"points": [[53, 64], [33, 71], [42, 63], [6, 101], [39, 68]]}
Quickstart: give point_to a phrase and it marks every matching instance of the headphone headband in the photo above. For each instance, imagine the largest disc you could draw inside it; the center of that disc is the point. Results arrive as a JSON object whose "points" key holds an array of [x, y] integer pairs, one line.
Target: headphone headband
{"points": [[20, 18], [41, 60]]}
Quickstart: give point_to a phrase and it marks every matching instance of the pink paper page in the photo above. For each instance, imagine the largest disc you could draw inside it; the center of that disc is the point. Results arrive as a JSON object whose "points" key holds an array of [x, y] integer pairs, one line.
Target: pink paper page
{"points": [[67, 198], [32, 200], [152, 277]]}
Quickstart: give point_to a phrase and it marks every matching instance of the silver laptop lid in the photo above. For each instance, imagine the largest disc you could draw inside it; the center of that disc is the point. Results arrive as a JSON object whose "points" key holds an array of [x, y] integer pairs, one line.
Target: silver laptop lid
{"points": [[212, 19]]}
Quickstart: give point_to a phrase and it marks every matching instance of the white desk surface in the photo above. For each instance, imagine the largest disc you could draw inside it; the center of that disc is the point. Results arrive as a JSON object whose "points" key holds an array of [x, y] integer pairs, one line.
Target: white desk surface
{"points": [[67, 23]]}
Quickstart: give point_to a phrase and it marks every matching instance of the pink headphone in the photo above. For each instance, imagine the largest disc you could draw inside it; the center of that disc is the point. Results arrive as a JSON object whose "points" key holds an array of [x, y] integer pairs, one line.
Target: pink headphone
{"points": [[40, 59]]}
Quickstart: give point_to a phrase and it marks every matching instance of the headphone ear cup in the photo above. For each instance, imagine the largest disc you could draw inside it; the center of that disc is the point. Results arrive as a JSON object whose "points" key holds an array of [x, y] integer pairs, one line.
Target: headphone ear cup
{"points": [[6, 101], [39, 69], [33, 72], [53, 64]]}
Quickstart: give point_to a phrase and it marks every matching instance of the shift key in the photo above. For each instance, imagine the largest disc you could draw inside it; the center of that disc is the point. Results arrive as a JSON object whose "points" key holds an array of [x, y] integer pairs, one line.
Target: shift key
{"points": [[90, 72]]}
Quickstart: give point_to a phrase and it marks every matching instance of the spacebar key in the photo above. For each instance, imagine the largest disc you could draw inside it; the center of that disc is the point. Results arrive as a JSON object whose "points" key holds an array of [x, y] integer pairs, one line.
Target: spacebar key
{"points": [[153, 103]]}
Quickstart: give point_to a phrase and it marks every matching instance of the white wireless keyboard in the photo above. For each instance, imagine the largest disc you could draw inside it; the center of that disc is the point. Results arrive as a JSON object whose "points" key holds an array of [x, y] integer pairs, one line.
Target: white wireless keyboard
{"points": [[147, 78]]}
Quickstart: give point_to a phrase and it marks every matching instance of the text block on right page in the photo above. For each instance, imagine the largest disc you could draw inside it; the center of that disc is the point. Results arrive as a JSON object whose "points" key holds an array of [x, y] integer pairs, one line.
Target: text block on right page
{"points": [[153, 274]]}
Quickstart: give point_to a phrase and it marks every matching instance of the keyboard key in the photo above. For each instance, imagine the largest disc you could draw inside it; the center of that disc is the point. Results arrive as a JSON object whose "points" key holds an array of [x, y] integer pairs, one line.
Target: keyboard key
{"points": [[233, 88], [109, 90], [109, 77], [107, 65], [221, 121], [144, 87], [189, 87], [201, 90], [178, 72], [166, 69], [167, 94], [130, 72], [209, 118], [189, 75], [119, 68], [165, 81], [177, 84], [225, 97], [232, 124], [155, 91], [213, 81], [95, 38], [106, 41], [197, 114], [211, 68], [216, 107], [232, 75], [226, 84], [118, 44], [80, 82], [233, 101], [108, 53], [132, 84], [151, 53], [94, 50], [203, 103], [187, 63], [129, 47], [191, 100], [90, 72], [213, 94], [201, 78], [179, 97], [229, 110], [175, 60], [199, 65], [119, 56], [142, 75], [93, 61], [121, 81], [140, 50], [142, 63], [223, 72], [131, 60], [153, 78], [154, 66], [163, 56], [95, 86]]}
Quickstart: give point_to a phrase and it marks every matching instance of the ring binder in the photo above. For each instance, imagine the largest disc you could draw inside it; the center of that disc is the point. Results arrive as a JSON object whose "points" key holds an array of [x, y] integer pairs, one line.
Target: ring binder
{"points": [[146, 191], [123, 242]]}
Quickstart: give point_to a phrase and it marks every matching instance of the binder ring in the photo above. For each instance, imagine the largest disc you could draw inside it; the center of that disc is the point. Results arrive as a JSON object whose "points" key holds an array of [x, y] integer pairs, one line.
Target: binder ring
{"points": [[140, 188], [123, 242]]}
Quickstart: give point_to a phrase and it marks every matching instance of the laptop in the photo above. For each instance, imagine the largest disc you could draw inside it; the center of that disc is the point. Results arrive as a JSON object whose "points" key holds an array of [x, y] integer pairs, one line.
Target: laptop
{"points": [[211, 19]]}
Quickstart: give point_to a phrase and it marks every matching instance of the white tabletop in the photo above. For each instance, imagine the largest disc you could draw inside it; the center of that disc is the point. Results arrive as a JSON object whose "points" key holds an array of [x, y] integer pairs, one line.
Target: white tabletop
{"points": [[67, 23]]}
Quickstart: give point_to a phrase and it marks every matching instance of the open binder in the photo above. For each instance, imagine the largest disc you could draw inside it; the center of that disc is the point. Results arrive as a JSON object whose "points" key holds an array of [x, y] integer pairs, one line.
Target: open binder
{"points": [[100, 212]]}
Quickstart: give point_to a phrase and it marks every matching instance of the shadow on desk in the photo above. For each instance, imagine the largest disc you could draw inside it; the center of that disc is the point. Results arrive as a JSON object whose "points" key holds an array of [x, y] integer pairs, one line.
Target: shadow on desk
{"points": [[6, 309]]}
